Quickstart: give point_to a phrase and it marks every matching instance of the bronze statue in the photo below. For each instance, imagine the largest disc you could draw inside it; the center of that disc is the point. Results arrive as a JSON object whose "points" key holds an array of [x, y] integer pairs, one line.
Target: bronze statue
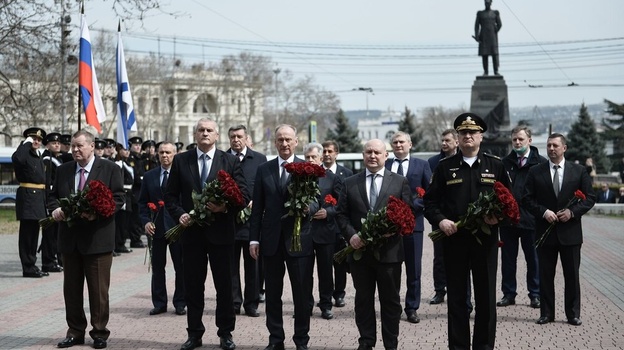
{"points": [[487, 25]]}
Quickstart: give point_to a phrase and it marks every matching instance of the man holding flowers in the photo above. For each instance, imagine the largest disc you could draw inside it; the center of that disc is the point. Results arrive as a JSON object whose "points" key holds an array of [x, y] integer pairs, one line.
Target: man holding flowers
{"points": [[376, 267], [86, 242], [214, 241], [457, 182], [549, 195]]}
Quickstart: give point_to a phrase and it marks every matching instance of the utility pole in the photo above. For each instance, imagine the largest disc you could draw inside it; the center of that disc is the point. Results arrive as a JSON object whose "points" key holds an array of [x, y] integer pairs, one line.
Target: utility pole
{"points": [[65, 20], [277, 72], [368, 90]]}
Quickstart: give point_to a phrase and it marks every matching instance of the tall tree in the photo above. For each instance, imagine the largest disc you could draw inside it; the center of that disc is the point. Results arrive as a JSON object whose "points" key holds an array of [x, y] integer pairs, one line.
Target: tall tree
{"points": [[584, 142], [345, 135], [614, 127], [408, 125]]}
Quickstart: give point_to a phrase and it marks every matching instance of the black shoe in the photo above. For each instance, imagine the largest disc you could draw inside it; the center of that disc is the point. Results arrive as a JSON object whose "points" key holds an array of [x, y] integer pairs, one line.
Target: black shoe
{"points": [[412, 316], [364, 347], [278, 346], [69, 342], [191, 343], [137, 245], [544, 320], [535, 302], [302, 347], [180, 311], [438, 298], [226, 343], [327, 314], [116, 254], [252, 312], [53, 268], [575, 321], [35, 274], [339, 302], [123, 250], [506, 301], [99, 343], [157, 310]]}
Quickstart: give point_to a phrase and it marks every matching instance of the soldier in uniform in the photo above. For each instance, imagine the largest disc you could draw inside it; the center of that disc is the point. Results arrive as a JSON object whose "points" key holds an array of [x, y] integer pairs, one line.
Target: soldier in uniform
{"points": [[150, 161], [100, 145], [30, 199], [51, 160], [457, 182], [66, 155], [123, 216], [109, 151], [138, 165], [179, 147], [191, 146]]}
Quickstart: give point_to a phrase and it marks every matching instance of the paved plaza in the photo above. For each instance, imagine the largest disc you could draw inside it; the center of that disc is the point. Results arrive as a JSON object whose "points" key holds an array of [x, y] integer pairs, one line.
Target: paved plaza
{"points": [[32, 310]]}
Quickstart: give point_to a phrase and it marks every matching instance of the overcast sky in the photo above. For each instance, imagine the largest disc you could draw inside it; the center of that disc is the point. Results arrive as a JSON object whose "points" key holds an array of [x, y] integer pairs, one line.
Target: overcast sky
{"points": [[409, 52]]}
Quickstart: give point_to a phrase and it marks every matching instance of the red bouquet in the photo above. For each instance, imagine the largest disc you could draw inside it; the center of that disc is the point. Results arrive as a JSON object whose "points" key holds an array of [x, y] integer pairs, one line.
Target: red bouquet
{"points": [[154, 211], [303, 189], [94, 199], [222, 190], [578, 196], [330, 200], [420, 192], [395, 218], [499, 202]]}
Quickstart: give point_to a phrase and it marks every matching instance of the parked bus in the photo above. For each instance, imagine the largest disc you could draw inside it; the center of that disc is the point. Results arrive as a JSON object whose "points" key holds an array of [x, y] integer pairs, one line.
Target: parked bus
{"points": [[8, 183]]}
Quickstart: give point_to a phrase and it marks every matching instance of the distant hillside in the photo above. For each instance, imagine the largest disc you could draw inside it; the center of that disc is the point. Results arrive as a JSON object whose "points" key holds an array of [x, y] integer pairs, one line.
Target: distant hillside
{"points": [[539, 117]]}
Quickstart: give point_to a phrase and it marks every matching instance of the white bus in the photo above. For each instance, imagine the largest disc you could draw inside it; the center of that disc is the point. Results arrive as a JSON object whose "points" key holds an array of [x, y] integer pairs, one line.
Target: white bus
{"points": [[8, 183]]}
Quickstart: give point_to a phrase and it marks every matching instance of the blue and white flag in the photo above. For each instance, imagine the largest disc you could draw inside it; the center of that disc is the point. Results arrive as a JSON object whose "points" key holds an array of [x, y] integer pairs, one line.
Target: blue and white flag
{"points": [[125, 108]]}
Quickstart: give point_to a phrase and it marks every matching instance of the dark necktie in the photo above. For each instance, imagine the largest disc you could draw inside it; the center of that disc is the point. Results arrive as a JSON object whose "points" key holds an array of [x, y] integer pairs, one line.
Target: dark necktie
{"points": [[240, 156], [521, 161], [400, 168], [284, 176], [163, 184], [204, 171], [373, 191], [82, 179], [556, 180]]}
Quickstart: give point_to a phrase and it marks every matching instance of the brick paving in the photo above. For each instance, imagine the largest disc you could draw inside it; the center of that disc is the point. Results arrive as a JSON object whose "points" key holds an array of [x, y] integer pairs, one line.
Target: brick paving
{"points": [[32, 310]]}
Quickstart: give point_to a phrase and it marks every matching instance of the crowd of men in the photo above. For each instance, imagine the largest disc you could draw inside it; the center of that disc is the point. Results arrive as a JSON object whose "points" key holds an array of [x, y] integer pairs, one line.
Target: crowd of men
{"points": [[145, 172]]}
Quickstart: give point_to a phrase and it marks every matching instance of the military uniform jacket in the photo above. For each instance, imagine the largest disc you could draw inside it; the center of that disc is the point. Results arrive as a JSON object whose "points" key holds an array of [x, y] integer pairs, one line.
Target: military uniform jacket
{"points": [[29, 202], [455, 184]]}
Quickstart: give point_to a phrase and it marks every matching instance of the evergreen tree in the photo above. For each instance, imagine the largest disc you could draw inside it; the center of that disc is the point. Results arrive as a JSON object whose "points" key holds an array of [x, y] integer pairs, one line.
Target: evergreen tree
{"points": [[585, 142], [408, 125], [615, 127], [345, 135]]}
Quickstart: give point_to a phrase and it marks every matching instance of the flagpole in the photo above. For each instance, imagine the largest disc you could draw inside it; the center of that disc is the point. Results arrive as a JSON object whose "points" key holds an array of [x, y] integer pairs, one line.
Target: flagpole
{"points": [[79, 90]]}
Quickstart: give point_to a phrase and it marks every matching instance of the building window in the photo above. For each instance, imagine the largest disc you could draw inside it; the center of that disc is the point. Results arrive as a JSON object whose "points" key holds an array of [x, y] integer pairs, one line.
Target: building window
{"points": [[205, 103], [155, 104]]}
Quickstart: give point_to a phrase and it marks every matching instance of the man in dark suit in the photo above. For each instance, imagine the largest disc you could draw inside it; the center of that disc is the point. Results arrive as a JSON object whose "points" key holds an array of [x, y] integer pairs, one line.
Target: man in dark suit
{"points": [[518, 163], [418, 174], [270, 234], [324, 230], [50, 259], [457, 181], [250, 161], [190, 172], [369, 191], [30, 198], [152, 191], [87, 246], [606, 195], [549, 188], [330, 153]]}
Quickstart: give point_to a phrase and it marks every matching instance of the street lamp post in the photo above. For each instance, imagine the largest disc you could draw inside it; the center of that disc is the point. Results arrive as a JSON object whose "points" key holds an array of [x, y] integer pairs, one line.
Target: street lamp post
{"points": [[368, 90], [276, 71]]}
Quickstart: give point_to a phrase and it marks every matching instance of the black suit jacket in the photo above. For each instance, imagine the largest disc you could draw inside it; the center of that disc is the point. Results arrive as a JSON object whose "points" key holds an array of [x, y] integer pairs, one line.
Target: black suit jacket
{"points": [[353, 207], [600, 197], [250, 163], [151, 192], [418, 175], [87, 237], [269, 223], [325, 231], [539, 195], [185, 178]]}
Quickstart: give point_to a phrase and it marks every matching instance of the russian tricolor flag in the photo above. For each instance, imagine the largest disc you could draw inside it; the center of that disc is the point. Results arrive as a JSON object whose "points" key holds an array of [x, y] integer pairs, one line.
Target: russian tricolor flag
{"points": [[125, 108], [87, 81]]}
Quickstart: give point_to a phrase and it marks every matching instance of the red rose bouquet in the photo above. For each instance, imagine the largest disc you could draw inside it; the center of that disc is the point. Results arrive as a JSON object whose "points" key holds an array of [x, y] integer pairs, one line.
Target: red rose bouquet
{"points": [[222, 190], [94, 199], [420, 192], [303, 189], [499, 202], [578, 196], [154, 211], [330, 200], [395, 218]]}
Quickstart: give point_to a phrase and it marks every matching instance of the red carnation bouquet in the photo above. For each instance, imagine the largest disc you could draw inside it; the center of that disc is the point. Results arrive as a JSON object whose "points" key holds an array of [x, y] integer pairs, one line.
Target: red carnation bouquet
{"points": [[95, 199], [330, 200], [303, 189], [395, 218], [420, 192], [222, 190], [499, 202], [154, 211], [578, 196]]}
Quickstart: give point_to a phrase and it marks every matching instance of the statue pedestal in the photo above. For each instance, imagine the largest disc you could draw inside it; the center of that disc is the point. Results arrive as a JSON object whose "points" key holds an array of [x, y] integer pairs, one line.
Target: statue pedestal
{"points": [[489, 100]]}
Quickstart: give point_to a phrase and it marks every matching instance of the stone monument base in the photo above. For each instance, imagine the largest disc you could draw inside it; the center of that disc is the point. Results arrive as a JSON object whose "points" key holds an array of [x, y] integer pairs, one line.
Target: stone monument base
{"points": [[489, 100]]}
